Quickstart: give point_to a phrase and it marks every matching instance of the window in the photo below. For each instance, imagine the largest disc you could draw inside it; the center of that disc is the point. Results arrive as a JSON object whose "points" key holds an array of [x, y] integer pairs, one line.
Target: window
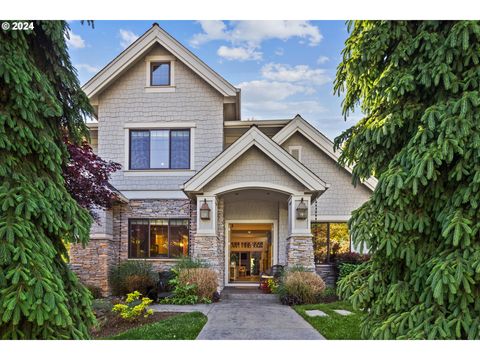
{"points": [[296, 152], [329, 240], [160, 74], [159, 149], [158, 238]]}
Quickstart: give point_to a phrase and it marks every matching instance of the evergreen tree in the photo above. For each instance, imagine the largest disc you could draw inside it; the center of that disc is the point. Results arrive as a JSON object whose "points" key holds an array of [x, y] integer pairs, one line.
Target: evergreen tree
{"points": [[417, 84], [40, 102]]}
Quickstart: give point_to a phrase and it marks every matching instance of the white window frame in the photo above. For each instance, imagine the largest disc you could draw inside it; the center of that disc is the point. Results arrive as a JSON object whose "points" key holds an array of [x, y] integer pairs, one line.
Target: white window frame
{"points": [[159, 126], [296, 147], [159, 88]]}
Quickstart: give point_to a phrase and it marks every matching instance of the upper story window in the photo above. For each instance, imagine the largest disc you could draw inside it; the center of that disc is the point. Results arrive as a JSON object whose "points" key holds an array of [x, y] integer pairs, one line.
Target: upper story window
{"points": [[160, 149], [160, 74]]}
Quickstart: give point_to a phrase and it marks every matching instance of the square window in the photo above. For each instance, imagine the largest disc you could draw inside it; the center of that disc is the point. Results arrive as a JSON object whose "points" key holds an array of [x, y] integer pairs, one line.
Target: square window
{"points": [[160, 74]]}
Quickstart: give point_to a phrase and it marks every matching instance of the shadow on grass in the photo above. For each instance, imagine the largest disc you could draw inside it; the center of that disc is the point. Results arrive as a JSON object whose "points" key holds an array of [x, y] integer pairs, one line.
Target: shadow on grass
{"points": [[181, 327]]}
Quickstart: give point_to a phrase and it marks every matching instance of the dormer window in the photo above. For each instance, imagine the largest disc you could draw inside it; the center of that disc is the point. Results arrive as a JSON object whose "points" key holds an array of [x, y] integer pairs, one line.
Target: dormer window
{"points": [[160, 73]]}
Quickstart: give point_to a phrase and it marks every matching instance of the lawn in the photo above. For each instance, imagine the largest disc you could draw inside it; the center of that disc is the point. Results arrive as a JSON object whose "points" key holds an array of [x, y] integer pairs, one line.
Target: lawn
{"points": [[181, 327], [334, 326]]}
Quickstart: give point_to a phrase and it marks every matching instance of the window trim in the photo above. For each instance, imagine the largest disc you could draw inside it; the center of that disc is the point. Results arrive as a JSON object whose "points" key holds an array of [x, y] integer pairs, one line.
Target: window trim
{"points": [[168, 258], [149, 60], [169, 168]]}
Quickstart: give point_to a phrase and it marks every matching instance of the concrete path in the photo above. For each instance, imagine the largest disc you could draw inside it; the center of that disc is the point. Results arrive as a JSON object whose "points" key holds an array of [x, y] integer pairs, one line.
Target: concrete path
{"points": [[255, 318]]}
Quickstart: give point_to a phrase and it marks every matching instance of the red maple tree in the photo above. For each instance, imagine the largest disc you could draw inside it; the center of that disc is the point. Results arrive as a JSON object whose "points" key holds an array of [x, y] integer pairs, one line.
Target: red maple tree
{"points": [[87, 177]]}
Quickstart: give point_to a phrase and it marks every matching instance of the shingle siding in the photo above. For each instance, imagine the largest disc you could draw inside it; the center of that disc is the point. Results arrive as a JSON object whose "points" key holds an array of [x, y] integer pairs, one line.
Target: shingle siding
{"points": [[342, 197], [254, 166], [126, 101]]}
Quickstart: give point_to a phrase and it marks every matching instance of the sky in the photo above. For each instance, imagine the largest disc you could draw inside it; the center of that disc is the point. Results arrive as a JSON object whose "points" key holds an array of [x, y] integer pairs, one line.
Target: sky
{"points": [[284, 68]]}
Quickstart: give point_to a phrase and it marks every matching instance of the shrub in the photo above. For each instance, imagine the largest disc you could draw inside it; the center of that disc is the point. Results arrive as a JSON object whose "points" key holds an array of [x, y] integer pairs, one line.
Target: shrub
{"points": [[132, 275], [329, 295], [95, 291], [300, 287], [183, 295], [345, 268], [133, 307], [193, 282], [272, 285], [205, 280], [352, 257], [189, 263]]}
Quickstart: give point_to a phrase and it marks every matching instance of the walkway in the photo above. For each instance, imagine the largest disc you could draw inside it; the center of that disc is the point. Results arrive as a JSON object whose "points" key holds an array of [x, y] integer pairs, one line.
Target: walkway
{"points": [[249, 315]]}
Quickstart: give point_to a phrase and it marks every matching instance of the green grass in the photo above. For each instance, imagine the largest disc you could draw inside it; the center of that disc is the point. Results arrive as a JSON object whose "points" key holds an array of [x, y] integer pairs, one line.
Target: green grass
{"points": [[181, 327], [334, 326]]}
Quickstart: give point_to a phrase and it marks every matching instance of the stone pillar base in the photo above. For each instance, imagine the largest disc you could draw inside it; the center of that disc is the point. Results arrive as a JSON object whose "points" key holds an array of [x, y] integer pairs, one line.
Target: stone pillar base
{"points": [[300, 252], [92, 263], [210, 250]]}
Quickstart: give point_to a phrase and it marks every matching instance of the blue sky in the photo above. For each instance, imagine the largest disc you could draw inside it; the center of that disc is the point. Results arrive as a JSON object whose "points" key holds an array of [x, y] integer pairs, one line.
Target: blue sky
{"points": [[282, 67]]}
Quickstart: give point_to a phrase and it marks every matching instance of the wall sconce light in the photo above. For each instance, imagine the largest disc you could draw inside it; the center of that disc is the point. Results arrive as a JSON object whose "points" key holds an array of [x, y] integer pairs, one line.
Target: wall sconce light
{"points": [[205, 211], [302, 210]]}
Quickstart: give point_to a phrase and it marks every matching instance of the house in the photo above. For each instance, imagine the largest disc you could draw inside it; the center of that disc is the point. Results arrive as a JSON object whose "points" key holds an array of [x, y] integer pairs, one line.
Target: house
{"points": [[198, 181]]}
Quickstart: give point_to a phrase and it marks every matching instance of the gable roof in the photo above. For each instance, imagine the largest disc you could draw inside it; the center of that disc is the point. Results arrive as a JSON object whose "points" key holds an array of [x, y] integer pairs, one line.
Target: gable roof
{"points": [[300, 125], [254, 137], [151, 37]]}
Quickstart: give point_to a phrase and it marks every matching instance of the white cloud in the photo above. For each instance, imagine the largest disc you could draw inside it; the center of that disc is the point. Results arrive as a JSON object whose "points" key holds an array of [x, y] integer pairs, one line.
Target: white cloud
{"points": [[264, 90], [74, 41], [254, 32], [298, 74], [87, 68], [238, 53], [268, 99], [322, 59], [127, 37], [247, 36], [212, 30]]}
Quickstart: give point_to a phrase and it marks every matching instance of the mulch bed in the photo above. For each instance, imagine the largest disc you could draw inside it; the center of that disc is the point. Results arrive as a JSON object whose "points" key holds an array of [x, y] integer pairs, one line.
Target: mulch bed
{"points": [[111, 324]]}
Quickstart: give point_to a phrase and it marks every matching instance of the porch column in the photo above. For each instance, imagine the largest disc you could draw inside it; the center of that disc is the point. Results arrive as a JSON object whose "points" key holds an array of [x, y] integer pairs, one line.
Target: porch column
{"points": [[209, 242], [299, 240]]}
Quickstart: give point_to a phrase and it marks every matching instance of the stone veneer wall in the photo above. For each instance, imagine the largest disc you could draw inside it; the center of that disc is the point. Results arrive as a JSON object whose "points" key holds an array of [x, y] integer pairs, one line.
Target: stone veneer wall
{"points": [[93, 262], [212, 248], [300, 252], [328, 272], [148, 209]]}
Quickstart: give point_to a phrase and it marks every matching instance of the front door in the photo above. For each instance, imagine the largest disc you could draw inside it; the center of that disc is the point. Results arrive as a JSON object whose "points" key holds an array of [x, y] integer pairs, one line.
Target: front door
{"points": [[250, 252]]}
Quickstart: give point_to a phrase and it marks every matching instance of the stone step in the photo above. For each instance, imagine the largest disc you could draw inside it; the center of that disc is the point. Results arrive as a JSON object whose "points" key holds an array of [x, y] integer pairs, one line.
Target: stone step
{"points": [[248, 294]]}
